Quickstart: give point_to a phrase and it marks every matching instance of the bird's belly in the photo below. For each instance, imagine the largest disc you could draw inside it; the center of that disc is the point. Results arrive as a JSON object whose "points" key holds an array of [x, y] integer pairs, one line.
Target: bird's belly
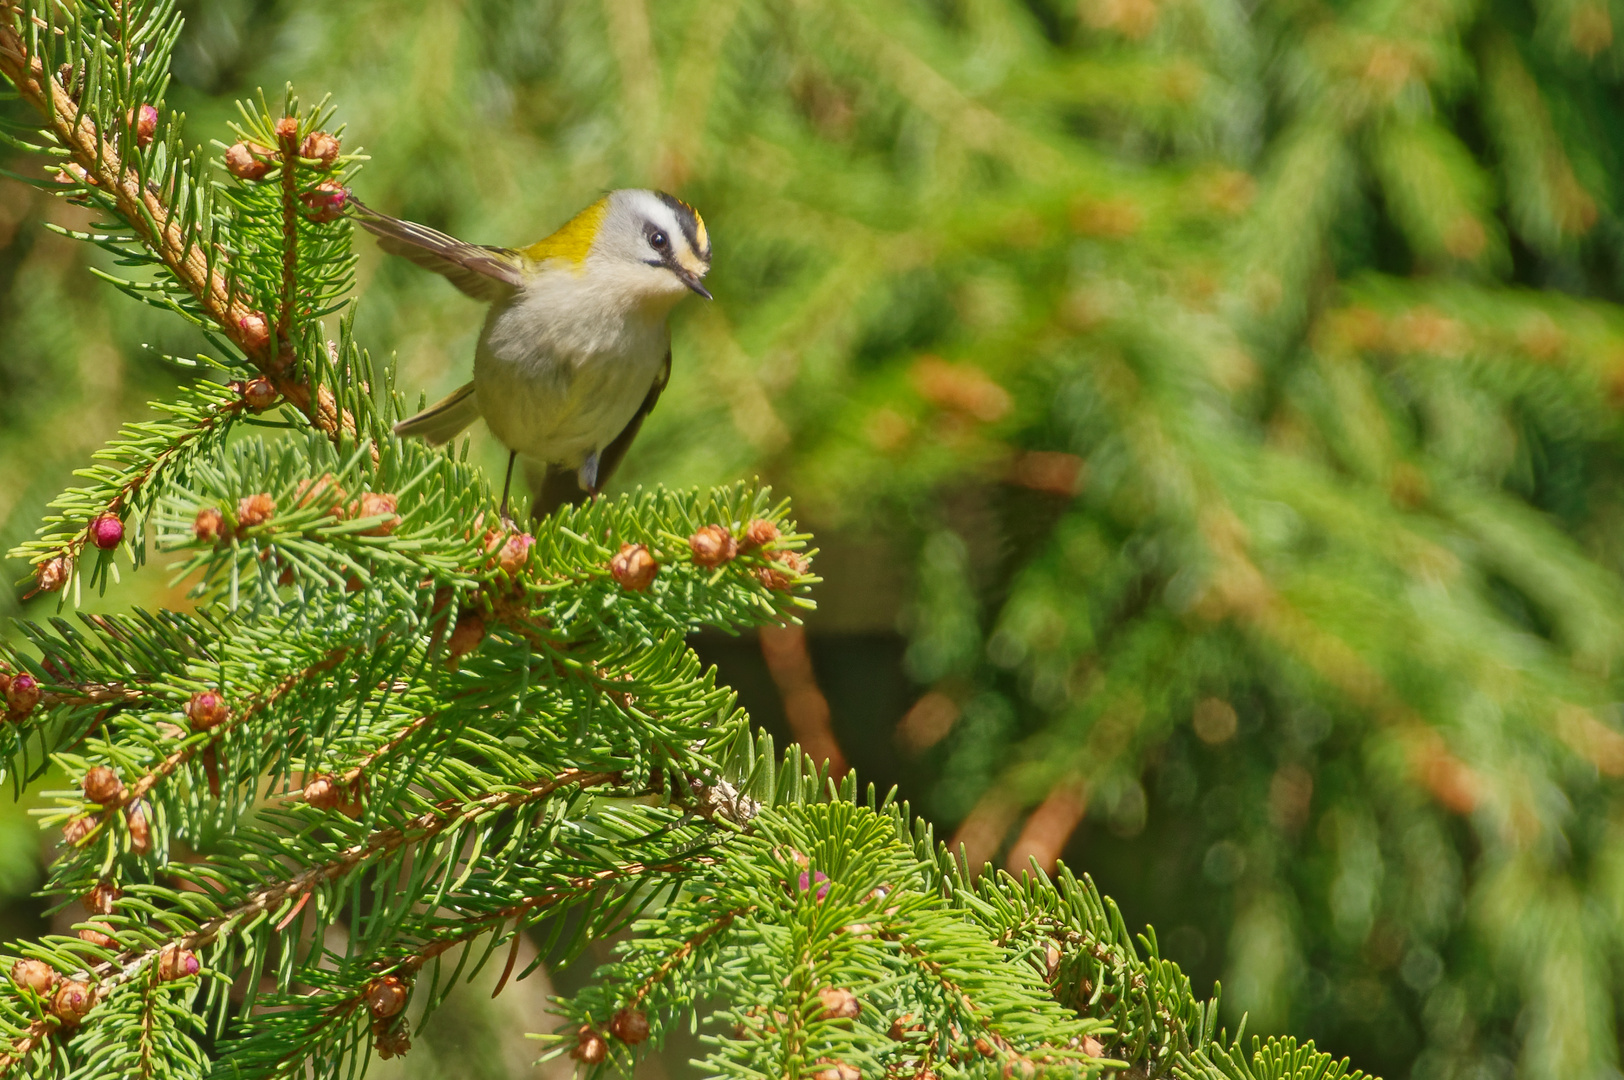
{"points": [[557, 400]]}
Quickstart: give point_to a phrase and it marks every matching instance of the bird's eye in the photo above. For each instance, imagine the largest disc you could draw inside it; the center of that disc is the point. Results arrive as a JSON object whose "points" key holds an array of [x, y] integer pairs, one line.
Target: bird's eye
{"points": [[658, 239]]}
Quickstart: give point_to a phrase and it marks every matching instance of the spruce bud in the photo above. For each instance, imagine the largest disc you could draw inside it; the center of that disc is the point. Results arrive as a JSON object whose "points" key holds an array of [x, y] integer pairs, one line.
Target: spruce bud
{"points": [[34, 975], [22, 694], [256, 332], [789, 566], [634, 568], [713, 545], [515, 553], [590, 1047], [209, 525], [394, 1042], [321, 147], [630, 1026], [107, 531], [98, 933], [72, 1001], [101, 785], [1051, 960], [135, 818], [836, 1070], [207, 709], [259, 394], [255, 510], [326, 201], [287, 128], [247, 161], [102, 899], [145, 122], [324, 488], [838, 1003], [373, 504], [467, 635], [324, 792], [175, 962], [52, 574], [76, 829], [758, 533], [1093, 1047], [386, 996]]}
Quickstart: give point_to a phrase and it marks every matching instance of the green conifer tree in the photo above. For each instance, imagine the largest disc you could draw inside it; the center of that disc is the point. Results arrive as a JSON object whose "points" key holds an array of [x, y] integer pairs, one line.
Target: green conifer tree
{"points": [[386, 715]]}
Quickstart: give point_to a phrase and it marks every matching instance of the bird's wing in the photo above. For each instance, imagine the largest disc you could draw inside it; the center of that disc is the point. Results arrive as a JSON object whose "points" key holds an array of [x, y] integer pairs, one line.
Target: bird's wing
{"points": [[609, 457], [484, 273], [552, 487]]}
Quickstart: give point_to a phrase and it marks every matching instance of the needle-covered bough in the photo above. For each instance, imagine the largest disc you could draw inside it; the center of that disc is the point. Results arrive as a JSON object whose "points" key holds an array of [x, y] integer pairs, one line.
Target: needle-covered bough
{"points": [[395, 733]]}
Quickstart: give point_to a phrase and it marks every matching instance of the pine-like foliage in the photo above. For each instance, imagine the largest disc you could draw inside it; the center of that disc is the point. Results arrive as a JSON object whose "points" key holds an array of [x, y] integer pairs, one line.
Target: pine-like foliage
{"points": [[389, 728]]}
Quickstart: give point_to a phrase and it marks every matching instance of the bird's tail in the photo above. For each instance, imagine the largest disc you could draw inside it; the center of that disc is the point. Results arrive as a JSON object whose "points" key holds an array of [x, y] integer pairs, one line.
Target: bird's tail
{"points": [[444, 420]]}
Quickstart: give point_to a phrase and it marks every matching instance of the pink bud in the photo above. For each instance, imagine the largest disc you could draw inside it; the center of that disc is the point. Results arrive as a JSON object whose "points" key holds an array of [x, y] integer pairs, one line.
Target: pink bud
{"points": [[145, 122], [326, 201], [22, 694], [107, 532]]}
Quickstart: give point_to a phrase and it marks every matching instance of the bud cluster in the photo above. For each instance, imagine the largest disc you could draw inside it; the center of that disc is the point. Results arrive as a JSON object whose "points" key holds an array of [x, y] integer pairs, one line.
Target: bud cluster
{"points": [[21, 692]]}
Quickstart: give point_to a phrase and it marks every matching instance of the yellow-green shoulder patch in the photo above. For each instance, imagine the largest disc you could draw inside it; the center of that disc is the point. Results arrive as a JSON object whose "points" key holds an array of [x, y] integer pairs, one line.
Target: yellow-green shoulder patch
{"points": [[574, 240]]}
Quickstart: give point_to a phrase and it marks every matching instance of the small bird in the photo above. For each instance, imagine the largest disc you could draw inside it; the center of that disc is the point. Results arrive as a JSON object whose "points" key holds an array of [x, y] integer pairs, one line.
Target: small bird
{"points": [[575, 349]]}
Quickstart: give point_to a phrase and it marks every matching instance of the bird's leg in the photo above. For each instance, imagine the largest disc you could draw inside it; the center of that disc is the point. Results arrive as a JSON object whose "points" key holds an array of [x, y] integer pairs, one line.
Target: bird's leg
{"points": [[507, 482], [587, 474]]}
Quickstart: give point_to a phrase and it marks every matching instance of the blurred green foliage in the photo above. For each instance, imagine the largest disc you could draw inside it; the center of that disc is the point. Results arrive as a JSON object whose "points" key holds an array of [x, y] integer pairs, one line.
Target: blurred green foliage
{"points": [[1230, 391]]}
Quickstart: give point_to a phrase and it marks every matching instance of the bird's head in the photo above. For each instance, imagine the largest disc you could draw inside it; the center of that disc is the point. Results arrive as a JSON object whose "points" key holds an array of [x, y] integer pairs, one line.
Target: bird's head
{"points": [[653, 243]]}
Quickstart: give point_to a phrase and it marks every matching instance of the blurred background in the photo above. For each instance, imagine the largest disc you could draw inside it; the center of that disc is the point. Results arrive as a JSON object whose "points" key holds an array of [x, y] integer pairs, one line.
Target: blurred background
{"points": [[1208, 411]]}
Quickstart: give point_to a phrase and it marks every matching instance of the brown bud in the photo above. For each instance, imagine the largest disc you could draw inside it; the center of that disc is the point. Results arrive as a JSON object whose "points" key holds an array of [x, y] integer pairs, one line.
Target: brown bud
{"points": [[35, 975], [326, 201], [324, 792], [590, 1047], [902, 1027], [135, 817], [757, 533], [1051, 960], [393, 1042], [630, 1026], [1093, 1047], [256, 332], [287, 128], [209, 525], [102, 899], [1019, 1068], [175, 962], [713, 545], [248, 161], [782, 569], [72, 1001], [836, 1070], [22, 694], [75, 829], [374, 503], [145, 122], [98, 933], [386, 996], [207, 709], [259, 394], [838, 1003], [320, 146], [515, 553], [634, 568], [52, 574], [107, 531], [101, 785], [465, 638], [983, 1047], [255, 510]]}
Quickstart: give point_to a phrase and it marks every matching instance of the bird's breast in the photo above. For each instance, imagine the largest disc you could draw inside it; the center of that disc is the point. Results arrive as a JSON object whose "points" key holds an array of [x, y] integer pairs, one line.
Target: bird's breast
{"points": [[562, 367]]}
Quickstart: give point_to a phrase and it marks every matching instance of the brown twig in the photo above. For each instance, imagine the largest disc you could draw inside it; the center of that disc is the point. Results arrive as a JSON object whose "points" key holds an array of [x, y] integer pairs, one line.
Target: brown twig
{"points": [[159, 227]]}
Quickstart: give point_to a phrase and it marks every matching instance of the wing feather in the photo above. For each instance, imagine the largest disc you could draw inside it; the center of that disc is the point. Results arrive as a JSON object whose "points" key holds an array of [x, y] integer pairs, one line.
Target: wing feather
{"points": [[484, 273]]}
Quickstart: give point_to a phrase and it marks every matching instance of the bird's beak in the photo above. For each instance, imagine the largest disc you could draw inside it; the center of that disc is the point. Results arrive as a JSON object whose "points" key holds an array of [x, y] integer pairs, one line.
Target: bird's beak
{"points": [[691, 279]]}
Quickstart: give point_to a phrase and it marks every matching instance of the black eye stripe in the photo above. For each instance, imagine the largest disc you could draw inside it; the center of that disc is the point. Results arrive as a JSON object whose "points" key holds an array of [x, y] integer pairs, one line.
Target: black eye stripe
{"points": [[688, 220]]}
